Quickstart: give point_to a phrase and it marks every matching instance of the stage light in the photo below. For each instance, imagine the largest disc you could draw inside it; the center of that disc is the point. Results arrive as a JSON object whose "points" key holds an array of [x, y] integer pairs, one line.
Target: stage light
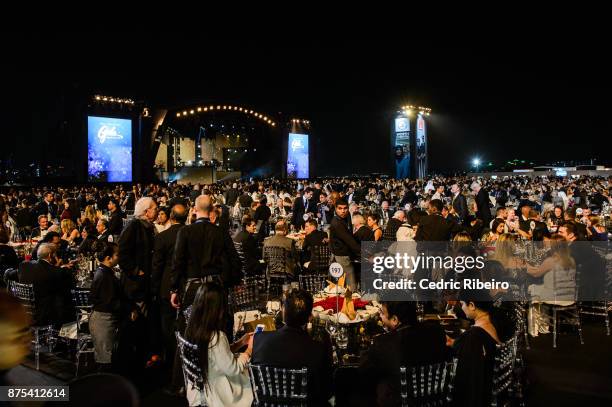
{"points": [[240, 109], [178, 115], [224, 107], [218, 107], [199, 109], [205, 109], [185, 113], [211, 107], [97, 97], [250, 111], [191, 111]]}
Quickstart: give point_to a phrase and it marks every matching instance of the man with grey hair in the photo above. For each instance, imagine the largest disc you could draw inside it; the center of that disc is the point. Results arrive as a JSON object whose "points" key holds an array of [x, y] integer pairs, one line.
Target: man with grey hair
{"points": [[360, 231], [280, 239], [399, 218], [482, 203], [136, 244], [52, 286]]}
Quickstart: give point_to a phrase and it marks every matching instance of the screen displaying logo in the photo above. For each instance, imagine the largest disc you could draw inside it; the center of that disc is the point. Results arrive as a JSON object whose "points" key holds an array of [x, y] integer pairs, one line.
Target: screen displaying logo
{"points": [[109, 149], [402, 124], [297, 156]]}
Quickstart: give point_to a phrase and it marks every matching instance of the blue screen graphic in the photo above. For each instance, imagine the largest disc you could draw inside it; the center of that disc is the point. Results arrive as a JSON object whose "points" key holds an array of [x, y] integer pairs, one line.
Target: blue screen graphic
{"points": [[109, 149], [297, 156]]}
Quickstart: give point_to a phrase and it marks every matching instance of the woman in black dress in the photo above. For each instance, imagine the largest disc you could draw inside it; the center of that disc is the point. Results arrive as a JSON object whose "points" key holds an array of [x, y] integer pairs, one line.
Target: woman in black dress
{"points": [[475, 348]]}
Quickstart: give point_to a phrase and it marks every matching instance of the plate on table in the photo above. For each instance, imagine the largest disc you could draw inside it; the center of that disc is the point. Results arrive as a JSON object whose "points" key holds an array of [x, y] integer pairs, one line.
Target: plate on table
{"points": [[327, 290]]}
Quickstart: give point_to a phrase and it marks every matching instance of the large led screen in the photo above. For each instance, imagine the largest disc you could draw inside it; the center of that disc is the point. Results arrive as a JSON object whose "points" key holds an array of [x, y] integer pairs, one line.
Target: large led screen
{"points": [[297, 156], [109, 149]]}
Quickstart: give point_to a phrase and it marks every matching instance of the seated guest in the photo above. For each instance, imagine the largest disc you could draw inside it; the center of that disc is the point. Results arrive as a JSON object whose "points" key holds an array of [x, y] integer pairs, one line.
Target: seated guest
{"points": [[54, 238], [88, 238], [394, 223], [475, 348], [279, 239], [406, 343], [103, 232], [8, 257], [361, 232], [70, 233], [249, 246], [42, 228], [115, 221], [106, 300], [292, 347], [372, 221], [52, 285], [314, 238], [225, 375]]}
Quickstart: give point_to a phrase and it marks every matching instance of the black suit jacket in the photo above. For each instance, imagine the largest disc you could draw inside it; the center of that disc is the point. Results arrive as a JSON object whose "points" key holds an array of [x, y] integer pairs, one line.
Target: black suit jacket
{"points": [[249, 250], [115, 223], [291, 347], [52, 287], [484, 211], [409, 346], [203, 249], [162, 261], [42, 209], [460, 207], [310, 241], [434, 228], [341, 239], [299, 209]]}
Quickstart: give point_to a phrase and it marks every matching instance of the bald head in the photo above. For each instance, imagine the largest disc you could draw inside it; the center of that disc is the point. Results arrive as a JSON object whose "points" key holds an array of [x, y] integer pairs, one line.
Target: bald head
{"points": [[178, 214], [203, 205]]}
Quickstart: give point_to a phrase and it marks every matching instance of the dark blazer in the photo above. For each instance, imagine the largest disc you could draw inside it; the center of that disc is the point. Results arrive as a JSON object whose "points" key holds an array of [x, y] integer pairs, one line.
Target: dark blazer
{"points": [[364, 234], [249, 250], [409, 346], [52, 287], [203, 249], [391, 229], [245, 200], [115, 222], [434, 228], [135, 257], [104, 236], [291, 347], [162, 261], [460, 207], [231, 196], [341, 238], [43, 208], [299, 209], [310, 242], [25, 218], [484, 211]]}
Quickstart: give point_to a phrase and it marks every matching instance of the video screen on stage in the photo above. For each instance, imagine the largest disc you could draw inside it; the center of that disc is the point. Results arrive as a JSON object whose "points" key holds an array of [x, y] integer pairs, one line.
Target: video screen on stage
{"points": [[402, 147], [297, 156], [109, 149]]}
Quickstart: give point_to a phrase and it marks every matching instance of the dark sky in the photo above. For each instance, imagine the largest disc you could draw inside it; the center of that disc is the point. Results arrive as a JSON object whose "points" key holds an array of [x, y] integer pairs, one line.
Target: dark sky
{"points": [[538, 99]]}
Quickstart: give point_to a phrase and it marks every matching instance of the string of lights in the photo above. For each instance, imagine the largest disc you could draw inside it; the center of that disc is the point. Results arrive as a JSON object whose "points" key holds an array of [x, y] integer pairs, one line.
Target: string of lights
{"points": [[212, 108], [422, 110], [111, 99]]}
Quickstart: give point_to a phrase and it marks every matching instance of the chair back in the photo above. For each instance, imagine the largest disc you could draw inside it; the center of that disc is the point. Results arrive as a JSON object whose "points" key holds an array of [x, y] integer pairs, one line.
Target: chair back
{"points": [[25, 294], [187, 313], [320, 259], [503, 369], [190, 362], [565, 284], [238, 247], [313, 283], [80, 298], [428, 385], [276, 260], [279, 385], [244, 296]]}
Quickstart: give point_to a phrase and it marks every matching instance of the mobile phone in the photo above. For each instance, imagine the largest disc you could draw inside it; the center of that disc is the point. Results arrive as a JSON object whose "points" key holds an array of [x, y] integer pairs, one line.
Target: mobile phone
{"points": [[259, 328]]}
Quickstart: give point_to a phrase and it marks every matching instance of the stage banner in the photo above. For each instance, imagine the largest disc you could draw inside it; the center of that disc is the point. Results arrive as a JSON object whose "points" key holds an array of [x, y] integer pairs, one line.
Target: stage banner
{"points": [[421, 148], [109, 149], [402, 147], [297, 156]]}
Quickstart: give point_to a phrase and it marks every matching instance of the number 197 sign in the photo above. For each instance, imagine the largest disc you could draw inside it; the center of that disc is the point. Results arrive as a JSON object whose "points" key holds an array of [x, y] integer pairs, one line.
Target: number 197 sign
{"points": [[336, 270]]}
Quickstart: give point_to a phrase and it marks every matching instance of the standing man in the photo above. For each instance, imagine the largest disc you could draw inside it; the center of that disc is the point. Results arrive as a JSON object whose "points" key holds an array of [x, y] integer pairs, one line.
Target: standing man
{"points": [[115, 221], [343, 244], [302, 206], [160, 283], [459, 203], [483, 210], [47, 207]]}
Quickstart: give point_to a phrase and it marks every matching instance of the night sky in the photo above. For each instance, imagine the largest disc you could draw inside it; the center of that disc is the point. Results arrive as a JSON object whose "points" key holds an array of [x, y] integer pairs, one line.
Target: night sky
{"points": [[538, 100]]}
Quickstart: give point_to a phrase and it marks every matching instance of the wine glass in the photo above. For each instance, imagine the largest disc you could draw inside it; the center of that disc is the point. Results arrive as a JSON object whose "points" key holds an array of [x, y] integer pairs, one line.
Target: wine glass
{"points": [[342, 337], [331, 327]]}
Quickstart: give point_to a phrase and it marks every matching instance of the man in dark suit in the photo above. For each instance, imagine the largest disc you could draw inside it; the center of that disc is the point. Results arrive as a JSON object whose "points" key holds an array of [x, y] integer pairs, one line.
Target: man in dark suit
{"points": [[343, 245], [247, 241], [385, 213], [483, 202], [43, 226], [26, 220], [160, 280], [433, 227], [292, 347], [47, 206], [398, 219], [459, 203], [302, 206], [407, 343], [203, 252], [245, 199], [314, 238], [231, 195], [103, 232], [52, 286], [115, 221], [324, 213]]}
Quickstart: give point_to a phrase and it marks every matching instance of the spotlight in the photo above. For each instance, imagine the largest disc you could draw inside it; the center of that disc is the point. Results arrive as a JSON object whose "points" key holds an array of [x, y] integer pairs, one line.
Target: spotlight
{"points": [[199, 109]]}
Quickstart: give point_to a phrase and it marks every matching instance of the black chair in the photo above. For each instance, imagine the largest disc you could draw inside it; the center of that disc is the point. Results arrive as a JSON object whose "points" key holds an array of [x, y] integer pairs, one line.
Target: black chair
{"points": [[190, 362], [25, 294], [84, 309], [503, 372], [604, 307], [275, 386], [428, 385], [313, 283], [320, 259], [245, 296], [276, 259]]}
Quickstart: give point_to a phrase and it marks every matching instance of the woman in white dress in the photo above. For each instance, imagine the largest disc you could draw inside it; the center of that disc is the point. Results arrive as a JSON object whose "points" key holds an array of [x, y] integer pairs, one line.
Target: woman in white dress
{"points": [[226, 379]]}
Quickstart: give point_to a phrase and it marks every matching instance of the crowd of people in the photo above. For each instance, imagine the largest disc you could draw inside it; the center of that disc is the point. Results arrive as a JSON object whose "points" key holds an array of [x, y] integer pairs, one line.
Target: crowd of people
{"points": [[163, 249]]}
